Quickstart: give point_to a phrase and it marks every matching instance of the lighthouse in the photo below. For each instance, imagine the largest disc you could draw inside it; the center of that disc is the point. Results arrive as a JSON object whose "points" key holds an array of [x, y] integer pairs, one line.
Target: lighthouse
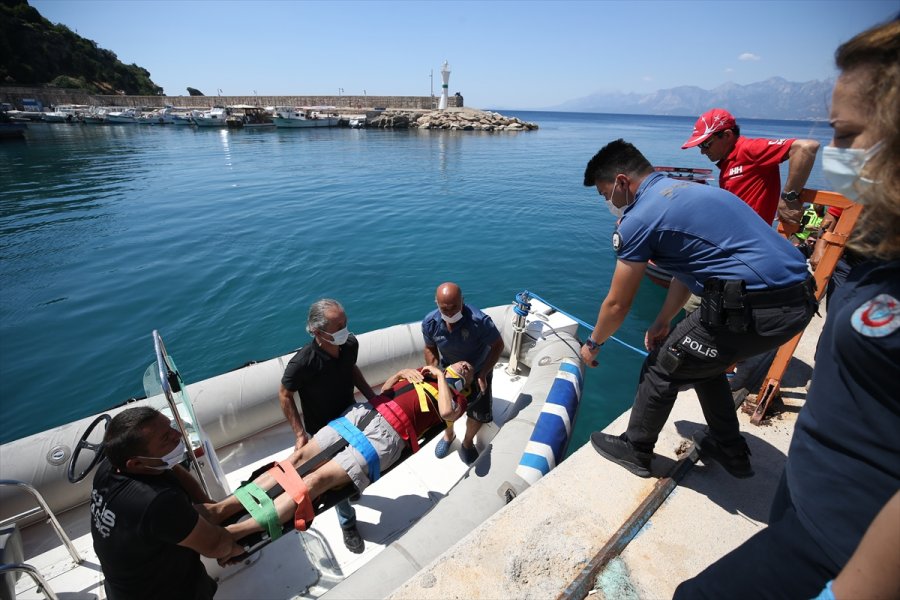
{"points": [[445, 77]]}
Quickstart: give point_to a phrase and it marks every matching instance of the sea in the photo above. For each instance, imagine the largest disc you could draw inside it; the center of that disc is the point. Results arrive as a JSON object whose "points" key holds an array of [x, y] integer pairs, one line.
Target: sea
{"points": [[221, 239]]}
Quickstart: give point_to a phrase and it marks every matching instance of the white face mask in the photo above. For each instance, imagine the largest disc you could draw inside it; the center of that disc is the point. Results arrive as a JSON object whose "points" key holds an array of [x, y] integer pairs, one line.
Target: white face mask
{"points": [[452, 319], [339, 338], [171, 459], [842, 168], [617, 211]]}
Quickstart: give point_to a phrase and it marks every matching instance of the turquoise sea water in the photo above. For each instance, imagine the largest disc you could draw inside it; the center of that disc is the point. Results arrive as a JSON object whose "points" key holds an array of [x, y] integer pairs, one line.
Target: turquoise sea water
{"points": [[221, 239]]}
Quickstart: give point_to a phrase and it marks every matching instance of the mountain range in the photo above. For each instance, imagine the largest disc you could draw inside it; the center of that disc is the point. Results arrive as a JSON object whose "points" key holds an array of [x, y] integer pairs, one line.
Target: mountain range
{"points": [[774, 98]]}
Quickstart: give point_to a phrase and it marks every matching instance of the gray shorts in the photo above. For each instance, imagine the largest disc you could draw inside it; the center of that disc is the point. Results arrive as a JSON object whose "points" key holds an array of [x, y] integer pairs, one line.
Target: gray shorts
{"points": [[387, 443]]}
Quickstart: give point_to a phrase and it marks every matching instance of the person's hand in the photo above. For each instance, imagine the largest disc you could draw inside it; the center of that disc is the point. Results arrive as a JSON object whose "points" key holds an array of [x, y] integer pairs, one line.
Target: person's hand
{"points": [[589, 356], [656, 334], [233, 557], [302, 438], [414, 376], [482, 382]]}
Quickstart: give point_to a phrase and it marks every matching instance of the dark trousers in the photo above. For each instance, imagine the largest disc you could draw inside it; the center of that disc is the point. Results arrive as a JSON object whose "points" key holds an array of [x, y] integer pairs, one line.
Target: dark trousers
{"points": [[781, 561], [696, 354]]}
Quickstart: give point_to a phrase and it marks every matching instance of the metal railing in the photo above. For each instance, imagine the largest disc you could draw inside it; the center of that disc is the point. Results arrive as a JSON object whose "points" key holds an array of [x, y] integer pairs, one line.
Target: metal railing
{"points": [[50, 516], [35, 575]]}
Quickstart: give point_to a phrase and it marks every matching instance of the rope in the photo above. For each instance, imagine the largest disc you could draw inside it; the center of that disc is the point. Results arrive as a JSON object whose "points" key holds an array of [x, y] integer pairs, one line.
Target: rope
{"points": [[579, 321]]}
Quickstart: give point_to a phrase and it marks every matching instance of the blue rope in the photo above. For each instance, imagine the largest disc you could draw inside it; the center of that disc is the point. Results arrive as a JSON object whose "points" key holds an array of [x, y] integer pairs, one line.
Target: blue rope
{"points": [[579, 321]]}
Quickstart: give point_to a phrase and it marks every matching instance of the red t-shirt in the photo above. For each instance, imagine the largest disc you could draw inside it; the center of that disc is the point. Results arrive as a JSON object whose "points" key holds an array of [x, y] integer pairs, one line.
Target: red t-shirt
{"points": [[751, 173], [406, 397]]}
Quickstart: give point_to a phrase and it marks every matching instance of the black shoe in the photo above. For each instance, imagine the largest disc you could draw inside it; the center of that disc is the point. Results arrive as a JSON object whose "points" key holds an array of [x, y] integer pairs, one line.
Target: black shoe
{"points": [[619, 450], [734, 459], [353, 540]]}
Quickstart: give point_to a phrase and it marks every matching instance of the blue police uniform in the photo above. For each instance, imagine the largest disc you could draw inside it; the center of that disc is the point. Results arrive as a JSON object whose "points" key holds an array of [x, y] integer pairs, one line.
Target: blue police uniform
{"points": [[844, 461], [470, 340], [701, 234]]}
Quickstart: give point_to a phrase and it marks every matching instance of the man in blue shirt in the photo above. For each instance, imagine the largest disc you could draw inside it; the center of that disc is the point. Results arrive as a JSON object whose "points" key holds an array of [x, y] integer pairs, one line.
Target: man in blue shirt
{"points": [[455, 332], [755, 288]]}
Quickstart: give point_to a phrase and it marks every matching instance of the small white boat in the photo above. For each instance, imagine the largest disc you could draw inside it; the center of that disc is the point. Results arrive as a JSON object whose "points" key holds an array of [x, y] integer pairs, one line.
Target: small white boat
{"points": [[163, 116], [234, 424], [250, 117], [129, 116], [303, 116], [214, 117], [357, 123], [94, 116]]}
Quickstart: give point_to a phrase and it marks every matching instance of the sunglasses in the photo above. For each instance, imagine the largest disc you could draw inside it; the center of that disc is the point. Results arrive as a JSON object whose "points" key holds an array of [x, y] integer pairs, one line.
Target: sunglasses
{"points": [[705, 145]]}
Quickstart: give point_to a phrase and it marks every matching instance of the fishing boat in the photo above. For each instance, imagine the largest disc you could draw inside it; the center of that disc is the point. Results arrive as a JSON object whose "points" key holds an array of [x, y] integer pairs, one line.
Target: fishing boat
{"points": [[129, 116], [303, 116], [250, 117], [214, 117], [233, 424]]}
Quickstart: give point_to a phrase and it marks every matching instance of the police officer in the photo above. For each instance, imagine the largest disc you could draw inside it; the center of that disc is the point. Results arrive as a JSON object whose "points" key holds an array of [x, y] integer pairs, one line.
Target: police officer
{"points": [[755, 288]]}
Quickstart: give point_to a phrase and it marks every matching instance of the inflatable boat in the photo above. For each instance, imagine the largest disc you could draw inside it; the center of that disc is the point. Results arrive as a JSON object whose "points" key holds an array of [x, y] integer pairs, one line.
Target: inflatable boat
{"points": [[234, 424]]}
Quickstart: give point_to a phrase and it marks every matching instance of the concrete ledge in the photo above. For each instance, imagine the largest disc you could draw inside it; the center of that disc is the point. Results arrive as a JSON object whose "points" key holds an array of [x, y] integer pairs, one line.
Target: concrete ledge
{"points": [[537, 545]]}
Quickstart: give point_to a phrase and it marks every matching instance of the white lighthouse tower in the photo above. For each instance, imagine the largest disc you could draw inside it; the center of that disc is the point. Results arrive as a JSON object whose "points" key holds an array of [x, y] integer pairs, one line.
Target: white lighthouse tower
{"points": [[445, 88]]}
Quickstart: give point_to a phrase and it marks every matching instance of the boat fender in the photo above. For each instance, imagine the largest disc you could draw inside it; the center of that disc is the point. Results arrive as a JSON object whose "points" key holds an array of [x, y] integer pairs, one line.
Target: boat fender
{"points": [[288, 478], [258, 504], [358, 440]]}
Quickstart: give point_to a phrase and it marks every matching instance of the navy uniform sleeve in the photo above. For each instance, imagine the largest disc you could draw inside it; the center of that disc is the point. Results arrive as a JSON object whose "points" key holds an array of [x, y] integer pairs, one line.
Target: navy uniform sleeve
{"points": [[170, 517], [489, 332], [634, 242], [428, 330]]}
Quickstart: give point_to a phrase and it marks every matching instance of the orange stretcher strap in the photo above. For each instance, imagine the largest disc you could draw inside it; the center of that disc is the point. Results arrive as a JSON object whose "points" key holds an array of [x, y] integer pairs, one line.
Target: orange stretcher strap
{"points": [[287, 477]]}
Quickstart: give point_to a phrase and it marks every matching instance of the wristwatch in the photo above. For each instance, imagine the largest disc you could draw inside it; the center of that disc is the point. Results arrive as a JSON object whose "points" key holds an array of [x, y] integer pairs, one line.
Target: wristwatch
{"points": [[790, 196], [592, 345]]}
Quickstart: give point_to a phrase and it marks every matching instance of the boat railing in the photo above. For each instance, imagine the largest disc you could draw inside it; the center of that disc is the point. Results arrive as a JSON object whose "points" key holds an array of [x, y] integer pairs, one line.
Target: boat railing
{"points": [[35, 575], [64, 538]]}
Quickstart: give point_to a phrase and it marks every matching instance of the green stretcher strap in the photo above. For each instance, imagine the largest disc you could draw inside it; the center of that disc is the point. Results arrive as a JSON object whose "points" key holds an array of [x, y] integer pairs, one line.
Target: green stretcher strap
{"points": [[258, 504]]}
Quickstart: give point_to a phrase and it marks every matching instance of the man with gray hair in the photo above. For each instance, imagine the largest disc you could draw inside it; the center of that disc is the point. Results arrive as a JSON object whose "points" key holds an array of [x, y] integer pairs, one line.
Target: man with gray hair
{"points": [[323, 374]]}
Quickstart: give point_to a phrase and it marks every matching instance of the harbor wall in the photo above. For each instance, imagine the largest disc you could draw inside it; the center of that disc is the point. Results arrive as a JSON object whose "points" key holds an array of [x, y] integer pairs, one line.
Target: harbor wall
{"points": [[50, 96]]}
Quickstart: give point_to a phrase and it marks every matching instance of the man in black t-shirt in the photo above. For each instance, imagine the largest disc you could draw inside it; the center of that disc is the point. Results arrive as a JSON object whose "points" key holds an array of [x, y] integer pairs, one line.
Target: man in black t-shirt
{"points": [[323, 374], [146, 531]]}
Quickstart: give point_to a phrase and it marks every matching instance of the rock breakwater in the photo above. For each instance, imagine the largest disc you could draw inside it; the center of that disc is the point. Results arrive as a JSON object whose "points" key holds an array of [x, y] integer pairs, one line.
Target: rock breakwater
{"points": [[454, 119]]}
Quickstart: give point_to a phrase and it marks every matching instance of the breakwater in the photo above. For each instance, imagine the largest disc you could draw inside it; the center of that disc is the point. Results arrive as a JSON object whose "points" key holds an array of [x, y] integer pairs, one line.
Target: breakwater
{"points": [[50, 96]]}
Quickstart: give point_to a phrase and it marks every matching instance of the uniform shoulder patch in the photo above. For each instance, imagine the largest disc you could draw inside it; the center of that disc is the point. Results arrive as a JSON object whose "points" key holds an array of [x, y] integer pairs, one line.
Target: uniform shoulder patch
{"points": [[616, 240], [877, 317]]}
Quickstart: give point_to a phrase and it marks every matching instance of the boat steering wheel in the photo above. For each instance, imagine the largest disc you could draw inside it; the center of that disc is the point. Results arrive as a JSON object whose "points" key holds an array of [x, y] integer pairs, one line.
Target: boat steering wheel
{"points": [[83, 443]]}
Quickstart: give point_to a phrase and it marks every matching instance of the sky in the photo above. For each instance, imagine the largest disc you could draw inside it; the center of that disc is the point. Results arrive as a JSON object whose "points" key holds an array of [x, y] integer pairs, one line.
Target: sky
{"points": [[501, 54]]}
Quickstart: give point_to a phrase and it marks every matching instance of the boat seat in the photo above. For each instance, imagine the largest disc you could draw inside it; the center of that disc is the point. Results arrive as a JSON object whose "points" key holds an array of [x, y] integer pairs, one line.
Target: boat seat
{"points": [[11, 553]]}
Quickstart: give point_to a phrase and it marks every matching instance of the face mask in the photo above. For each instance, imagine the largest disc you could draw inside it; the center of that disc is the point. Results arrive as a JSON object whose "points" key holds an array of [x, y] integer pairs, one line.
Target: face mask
{"points": [[842, 168], [452, 319], [617, 211], [339, 338], [171, 459], [454, 380]]}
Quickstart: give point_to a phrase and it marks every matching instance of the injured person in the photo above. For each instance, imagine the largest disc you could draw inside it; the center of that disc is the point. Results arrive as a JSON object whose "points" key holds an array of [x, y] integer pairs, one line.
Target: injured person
{"points": [[353, 449]]}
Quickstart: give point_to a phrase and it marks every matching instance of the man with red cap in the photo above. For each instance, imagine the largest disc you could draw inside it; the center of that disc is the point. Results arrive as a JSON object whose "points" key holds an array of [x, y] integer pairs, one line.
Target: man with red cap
{"points": [[748, 167]]}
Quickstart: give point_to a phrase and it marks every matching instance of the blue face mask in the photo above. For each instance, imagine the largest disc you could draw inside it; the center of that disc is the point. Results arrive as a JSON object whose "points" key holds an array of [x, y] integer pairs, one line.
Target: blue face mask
{"points": [[842, 168]]}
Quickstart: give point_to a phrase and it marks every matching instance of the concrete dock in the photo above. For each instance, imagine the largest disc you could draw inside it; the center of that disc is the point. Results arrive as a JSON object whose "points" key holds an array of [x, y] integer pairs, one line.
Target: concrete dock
{"points": [[544, 543]]}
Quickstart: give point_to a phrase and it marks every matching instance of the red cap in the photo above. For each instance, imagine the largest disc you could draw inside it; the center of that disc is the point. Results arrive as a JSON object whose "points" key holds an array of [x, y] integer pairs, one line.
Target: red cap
{"points": [[710, 122]]}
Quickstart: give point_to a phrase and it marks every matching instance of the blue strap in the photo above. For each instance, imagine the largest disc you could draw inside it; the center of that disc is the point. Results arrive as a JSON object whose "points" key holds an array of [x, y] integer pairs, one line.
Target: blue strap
{"points": [[358, 440]]}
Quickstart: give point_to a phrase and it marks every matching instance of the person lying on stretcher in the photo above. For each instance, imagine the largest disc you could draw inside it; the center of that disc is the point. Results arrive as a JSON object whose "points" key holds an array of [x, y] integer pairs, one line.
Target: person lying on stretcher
{"points": [[411, 402]]}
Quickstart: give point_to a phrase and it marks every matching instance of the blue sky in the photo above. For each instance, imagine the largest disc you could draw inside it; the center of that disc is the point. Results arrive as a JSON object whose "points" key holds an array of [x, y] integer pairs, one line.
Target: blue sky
{"points": [[502, 54]]}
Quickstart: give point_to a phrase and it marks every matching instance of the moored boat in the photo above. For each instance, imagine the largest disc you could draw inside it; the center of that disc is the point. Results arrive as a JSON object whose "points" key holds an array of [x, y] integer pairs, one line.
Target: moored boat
{"points": [[214, 117], [303, 116], [129, 116], [234, 424]]}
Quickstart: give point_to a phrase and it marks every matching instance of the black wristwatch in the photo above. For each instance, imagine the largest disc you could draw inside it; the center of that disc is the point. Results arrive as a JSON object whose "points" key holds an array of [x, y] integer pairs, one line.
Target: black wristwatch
{"points": [[790, 196], [591, 344]]}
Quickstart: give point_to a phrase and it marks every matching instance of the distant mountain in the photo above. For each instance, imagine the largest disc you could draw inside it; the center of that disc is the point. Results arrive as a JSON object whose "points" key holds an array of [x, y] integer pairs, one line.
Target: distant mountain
{"points": [[774, 98], [34, 51]]}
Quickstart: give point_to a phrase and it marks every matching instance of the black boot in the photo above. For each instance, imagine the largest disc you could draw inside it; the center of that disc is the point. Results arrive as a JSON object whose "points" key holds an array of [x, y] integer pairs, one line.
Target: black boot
{"points": [[619, 450]]}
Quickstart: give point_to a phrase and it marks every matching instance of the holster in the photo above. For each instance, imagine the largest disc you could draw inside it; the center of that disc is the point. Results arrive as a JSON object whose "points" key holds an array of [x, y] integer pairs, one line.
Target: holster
{"points": [[724, 304]]}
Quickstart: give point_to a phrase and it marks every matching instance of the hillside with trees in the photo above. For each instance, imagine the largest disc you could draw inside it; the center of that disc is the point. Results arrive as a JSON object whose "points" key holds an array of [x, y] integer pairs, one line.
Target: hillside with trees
{"points": [[36, 52]]}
